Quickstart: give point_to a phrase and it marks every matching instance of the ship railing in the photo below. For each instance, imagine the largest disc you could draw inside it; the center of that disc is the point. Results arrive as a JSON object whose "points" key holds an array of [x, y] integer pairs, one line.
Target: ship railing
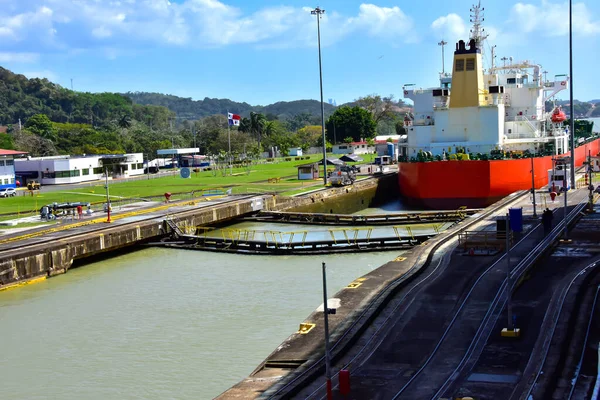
{"points": [[440, 105]]}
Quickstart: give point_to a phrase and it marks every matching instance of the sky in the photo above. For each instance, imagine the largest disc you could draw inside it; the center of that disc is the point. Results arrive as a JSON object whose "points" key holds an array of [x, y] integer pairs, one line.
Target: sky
{"points": [[264, 51]]}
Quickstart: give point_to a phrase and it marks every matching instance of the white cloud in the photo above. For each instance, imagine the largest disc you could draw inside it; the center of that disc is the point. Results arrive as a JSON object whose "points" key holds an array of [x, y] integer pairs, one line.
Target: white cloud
{"points": [[551, 19], [451, 28], [25, 58], [382, 21], [197, 23], [101, 32]]}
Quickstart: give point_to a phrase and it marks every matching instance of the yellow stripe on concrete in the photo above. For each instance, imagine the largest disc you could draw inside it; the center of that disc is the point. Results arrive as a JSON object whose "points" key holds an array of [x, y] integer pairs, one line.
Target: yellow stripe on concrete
{"points": [[100, 220], [23, 283]]}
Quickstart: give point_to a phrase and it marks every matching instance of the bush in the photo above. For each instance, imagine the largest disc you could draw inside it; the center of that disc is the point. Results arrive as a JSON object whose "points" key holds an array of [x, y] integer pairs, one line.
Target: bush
{"points": [[298, 158], [288, 159], [269, 159]]}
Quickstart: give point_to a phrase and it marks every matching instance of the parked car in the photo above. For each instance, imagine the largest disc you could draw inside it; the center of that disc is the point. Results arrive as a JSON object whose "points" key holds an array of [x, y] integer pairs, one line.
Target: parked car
{"points": [[6, 192]]}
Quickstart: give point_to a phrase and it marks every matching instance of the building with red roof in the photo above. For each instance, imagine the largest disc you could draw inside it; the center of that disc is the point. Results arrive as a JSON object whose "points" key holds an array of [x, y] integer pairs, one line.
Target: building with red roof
{"points": [[7, 167]]}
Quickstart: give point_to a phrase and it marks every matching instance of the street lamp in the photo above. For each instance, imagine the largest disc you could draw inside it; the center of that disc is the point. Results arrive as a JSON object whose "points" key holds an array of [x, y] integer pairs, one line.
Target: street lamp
{"points": [[107, 195], [317, 11], [326, 311], [571, 106], [442, 43]]}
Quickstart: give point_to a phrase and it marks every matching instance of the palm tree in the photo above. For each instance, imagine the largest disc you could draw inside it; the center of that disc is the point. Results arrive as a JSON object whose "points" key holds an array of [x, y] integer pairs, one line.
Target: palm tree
{"points": [[124, 121], [244, 125], [257, 125]]}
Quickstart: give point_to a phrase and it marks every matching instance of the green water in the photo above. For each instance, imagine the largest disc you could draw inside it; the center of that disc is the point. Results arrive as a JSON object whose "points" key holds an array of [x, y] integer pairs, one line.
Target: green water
{"points": [[159, 323]]}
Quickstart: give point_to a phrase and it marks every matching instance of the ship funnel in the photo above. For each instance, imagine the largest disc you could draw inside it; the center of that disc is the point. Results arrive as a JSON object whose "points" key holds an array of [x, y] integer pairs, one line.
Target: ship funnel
{"points": [[467, 76]]}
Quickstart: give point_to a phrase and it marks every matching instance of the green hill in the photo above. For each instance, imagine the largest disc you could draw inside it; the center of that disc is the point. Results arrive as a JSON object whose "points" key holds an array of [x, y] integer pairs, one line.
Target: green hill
{"points": [[188, 109]]}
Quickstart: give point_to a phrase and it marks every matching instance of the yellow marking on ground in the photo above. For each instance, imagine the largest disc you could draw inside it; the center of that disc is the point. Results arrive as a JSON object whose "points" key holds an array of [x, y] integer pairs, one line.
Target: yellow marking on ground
{"points": [[360, 279], [305, 327], [24, 283], [353, 285], [98, 220], [399, 259]]}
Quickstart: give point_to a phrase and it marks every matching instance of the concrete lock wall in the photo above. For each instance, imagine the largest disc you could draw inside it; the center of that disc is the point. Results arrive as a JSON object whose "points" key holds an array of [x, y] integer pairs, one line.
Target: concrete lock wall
{"points": [[49, 259]]}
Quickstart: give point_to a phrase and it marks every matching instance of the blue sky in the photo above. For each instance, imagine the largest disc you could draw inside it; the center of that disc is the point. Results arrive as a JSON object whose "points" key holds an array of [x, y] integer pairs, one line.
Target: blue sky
{"points": [[263, 51]]}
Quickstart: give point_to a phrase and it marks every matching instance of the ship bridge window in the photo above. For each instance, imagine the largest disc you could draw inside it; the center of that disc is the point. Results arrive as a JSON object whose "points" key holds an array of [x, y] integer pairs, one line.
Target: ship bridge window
{"points": [[460, 65], [470, 64], [511, 81]]}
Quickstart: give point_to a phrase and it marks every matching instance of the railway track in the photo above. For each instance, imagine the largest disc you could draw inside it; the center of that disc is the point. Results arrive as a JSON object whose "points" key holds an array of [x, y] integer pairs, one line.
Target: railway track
{"points": [[401, 290], [579, 388], [416, 384]]}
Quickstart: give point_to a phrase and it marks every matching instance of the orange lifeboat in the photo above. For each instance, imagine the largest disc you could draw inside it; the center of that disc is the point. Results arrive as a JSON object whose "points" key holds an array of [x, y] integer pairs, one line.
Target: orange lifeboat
{"points": [[558, 115]]}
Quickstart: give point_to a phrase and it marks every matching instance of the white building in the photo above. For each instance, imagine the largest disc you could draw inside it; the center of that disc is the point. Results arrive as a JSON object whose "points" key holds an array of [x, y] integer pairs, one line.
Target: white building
{"points": [[353, 148], [7, 168], [75, 169]]}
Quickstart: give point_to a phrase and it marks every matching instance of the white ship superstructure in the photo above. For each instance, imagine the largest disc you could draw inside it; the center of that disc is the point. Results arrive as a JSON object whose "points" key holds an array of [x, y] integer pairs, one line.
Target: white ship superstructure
{"points": [[476, 112]]}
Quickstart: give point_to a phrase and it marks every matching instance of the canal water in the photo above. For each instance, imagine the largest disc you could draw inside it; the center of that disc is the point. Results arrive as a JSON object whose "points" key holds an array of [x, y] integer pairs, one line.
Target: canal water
{"points": [[160, 323]]}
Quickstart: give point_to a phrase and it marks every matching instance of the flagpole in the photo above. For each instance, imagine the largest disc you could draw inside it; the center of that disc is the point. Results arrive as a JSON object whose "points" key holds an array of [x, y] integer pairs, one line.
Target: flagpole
{"points": [[229, 140]]}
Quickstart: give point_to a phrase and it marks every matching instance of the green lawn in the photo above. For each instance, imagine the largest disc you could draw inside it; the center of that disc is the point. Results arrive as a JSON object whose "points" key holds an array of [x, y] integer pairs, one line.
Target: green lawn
{"points": [[256, 181]]}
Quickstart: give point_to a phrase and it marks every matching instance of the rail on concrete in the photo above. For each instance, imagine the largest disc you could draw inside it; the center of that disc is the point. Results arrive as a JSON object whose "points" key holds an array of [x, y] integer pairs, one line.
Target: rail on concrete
{"points": [[375, 219], [285, 243]]}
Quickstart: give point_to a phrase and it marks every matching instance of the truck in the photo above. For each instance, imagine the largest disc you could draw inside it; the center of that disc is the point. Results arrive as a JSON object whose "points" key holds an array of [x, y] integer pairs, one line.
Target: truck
{"points": [[342, 175], [33, 185]]}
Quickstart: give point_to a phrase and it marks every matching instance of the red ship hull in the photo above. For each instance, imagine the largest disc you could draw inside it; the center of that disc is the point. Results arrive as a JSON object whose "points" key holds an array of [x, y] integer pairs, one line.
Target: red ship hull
{"points": [[452, 184]]}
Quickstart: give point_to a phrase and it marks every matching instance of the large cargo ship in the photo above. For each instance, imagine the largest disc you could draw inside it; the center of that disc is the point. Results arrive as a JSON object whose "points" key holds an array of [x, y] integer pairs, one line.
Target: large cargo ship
{"points": [[471, 141]]}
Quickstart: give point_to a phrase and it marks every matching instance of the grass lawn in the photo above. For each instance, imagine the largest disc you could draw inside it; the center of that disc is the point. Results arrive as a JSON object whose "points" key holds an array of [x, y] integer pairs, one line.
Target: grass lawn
{"points": [[242, 181]]}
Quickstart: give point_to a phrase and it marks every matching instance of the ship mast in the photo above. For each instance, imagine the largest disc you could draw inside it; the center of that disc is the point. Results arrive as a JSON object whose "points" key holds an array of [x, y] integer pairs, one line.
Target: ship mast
{"points": [[477, 31]]}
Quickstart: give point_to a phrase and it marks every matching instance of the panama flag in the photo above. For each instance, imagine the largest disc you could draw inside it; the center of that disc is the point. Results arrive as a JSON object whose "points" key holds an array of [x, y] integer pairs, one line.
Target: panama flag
{"points": [[234, 119]]}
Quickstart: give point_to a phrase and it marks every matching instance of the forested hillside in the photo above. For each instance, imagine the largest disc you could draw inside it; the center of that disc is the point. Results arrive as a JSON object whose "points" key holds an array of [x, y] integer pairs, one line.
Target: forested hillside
{"points": [[188, 109], [21, 98]]}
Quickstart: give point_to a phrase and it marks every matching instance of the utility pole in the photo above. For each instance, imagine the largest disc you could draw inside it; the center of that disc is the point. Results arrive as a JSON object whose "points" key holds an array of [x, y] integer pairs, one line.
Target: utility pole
{"points": [[317, 11], [442, 43], [71, 84], [508, 304], [107, 195], [571, 106], [590, 185], [533, 187], [493, 58], [326, 326]]}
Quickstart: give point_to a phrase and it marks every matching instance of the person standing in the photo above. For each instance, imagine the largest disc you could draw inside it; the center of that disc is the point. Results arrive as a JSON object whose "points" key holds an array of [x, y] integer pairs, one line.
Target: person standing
{"points": [[79, 211]]}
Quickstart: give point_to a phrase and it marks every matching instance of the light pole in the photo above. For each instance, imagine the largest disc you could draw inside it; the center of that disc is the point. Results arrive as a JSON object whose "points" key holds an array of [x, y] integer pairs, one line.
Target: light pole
{"points": [[326, 326], [442, 43], [571, 106], [566, 189], [510, 324], [317, 11], [107, 195], [533, 187]]}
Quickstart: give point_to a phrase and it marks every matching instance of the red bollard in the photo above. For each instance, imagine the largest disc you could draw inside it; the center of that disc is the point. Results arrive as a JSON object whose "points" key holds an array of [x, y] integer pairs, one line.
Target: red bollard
{"points": [[344, 381]]}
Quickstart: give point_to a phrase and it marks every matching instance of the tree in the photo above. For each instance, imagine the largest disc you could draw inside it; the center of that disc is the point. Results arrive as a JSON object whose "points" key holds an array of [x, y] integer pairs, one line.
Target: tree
{"points": [[41, 125], [382, 108], [309, 136], [354, 122], [244, 125], [125, 121], [257, 125], [400, 129], [6, 141]]}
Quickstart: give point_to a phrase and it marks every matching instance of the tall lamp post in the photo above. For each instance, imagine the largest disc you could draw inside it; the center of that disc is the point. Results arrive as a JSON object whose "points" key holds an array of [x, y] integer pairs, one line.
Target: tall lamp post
{"points": [[442, 43], [326, 311], [317, 11], [572, 111], [107, 196]]}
